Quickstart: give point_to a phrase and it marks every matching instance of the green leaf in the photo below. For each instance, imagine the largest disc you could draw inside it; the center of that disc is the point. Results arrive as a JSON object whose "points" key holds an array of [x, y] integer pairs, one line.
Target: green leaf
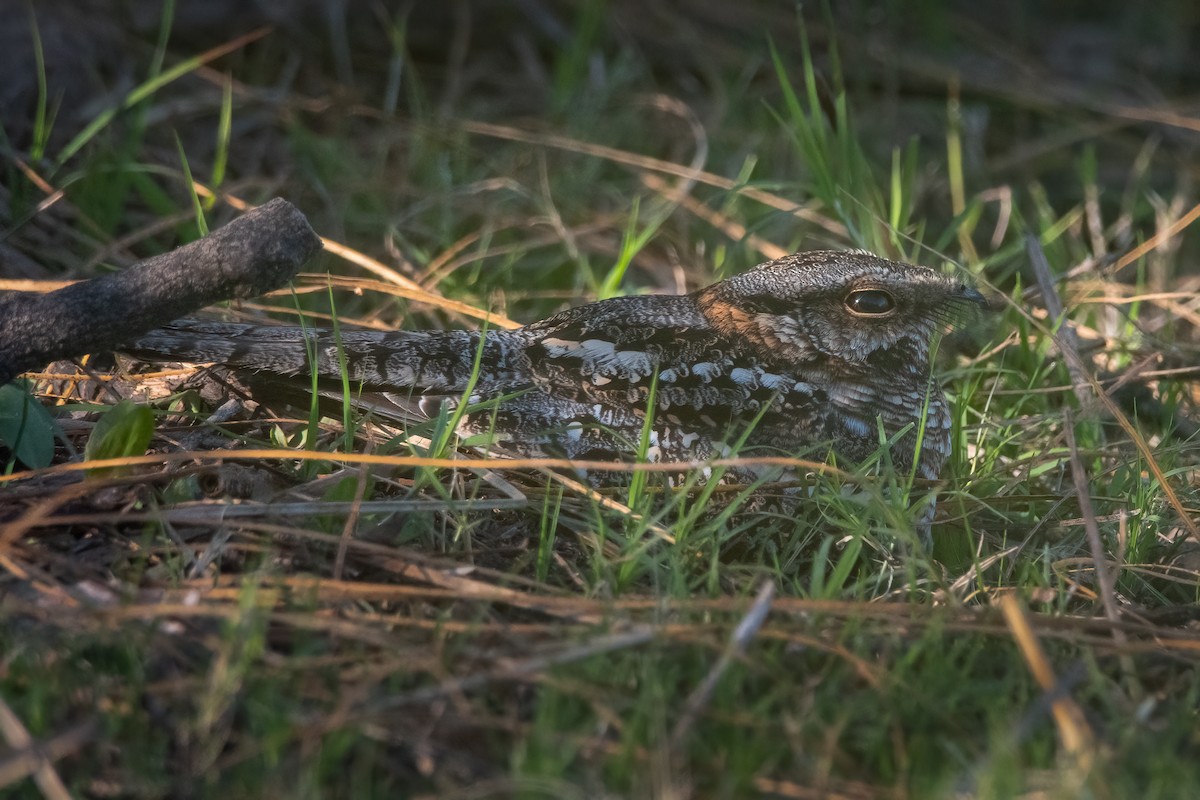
{"points": [[124, 430], [26, 427]]}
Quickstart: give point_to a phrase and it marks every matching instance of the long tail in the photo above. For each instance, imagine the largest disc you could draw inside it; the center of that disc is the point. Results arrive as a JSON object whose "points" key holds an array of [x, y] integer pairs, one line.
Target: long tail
{"points": [[422, 360]]}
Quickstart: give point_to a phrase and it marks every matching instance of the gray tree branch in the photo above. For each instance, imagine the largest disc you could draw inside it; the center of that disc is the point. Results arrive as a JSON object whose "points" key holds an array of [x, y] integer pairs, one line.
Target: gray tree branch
{"points": [[253, 254]]}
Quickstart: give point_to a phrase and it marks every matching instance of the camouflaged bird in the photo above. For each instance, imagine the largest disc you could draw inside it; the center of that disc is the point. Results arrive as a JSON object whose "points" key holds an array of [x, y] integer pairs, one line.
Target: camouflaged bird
{"points": [[807, 353]]}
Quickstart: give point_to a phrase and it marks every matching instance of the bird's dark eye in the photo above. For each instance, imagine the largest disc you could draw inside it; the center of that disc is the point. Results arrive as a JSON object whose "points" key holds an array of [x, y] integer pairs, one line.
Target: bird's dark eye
{"points": [[870, 301]]}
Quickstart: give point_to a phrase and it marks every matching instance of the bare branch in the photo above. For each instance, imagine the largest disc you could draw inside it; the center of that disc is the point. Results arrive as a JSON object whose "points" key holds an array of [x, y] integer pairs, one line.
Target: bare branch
{"points": [[250, 256]]}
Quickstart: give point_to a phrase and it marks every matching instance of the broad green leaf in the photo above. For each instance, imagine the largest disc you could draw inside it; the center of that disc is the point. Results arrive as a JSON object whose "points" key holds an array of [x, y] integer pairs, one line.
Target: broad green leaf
{"points": [[26, 427], [124, 430]]}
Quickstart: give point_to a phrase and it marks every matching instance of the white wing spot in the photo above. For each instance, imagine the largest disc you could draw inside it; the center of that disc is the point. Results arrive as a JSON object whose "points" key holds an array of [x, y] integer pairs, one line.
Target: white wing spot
{"points": [[597, 349], [637, 362], [772, 381], [559, 346], [743, 377]]}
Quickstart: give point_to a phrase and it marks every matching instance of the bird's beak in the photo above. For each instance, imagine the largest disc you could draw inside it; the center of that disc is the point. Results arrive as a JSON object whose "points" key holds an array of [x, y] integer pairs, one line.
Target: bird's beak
{"points": [[973, 295]]}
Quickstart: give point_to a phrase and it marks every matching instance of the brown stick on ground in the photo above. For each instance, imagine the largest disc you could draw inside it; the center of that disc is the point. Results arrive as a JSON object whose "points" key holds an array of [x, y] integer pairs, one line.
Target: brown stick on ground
{"points": [[252, 255]]}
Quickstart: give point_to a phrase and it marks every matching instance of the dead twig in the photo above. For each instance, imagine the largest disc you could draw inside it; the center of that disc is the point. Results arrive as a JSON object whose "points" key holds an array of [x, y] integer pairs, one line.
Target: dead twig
{"points": [[254, 254]]}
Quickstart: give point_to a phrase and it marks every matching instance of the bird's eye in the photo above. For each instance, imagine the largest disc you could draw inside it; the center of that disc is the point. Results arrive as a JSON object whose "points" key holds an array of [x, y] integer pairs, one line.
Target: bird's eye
{"points": [[870, 301]]}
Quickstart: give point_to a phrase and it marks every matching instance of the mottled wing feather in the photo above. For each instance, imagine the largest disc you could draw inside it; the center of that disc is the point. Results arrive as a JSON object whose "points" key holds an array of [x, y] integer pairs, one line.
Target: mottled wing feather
{"points": [[708, 388]]}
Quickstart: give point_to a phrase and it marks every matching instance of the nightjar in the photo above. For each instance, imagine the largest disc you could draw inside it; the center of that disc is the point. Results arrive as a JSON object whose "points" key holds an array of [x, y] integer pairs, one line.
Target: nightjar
{"points": [[817, 351]]}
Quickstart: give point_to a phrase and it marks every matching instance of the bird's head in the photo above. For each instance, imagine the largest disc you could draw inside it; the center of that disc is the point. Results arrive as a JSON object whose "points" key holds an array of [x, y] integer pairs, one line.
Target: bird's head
{"points": [[838, 306]]}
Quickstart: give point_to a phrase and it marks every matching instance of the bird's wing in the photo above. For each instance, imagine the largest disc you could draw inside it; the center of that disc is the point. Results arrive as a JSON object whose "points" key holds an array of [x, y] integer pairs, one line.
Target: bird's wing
{"points": [[702, 379]]}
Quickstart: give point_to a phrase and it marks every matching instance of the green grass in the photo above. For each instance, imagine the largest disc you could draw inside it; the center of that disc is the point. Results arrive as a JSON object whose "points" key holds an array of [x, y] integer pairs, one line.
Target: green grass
{"points": [[156, 643]]}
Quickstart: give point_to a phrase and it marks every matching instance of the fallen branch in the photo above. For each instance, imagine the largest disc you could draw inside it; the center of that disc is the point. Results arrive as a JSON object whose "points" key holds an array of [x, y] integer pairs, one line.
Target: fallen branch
{"points": [[250, 256]]}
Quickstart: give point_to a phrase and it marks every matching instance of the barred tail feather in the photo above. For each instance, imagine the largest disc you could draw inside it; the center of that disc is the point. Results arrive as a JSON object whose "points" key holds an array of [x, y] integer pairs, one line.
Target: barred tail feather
{"points": [[421, 360]]}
